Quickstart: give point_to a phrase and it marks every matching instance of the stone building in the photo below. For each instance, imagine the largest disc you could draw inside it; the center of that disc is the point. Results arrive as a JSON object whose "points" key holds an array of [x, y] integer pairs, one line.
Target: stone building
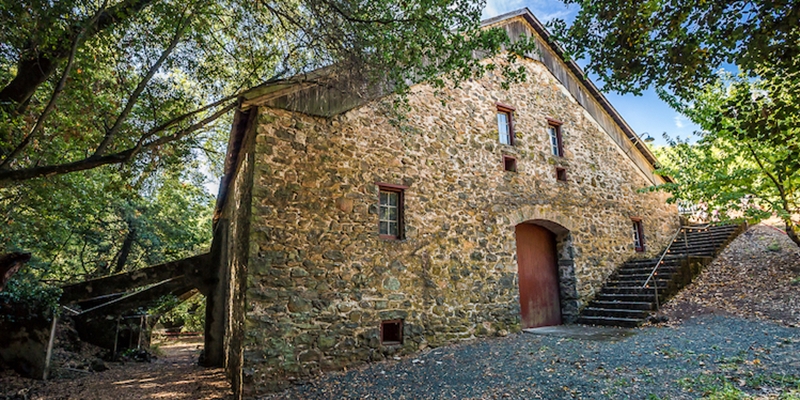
{"points": [[344, 237]]}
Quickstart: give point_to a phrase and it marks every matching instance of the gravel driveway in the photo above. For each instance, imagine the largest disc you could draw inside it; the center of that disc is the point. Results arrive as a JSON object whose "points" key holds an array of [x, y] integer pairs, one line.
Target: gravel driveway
{"points": [[705, 356]]}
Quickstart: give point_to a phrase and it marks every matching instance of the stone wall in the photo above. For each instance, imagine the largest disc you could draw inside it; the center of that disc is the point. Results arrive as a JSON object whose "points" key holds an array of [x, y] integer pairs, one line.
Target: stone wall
{"points": [[231, 252], [320, 280]]}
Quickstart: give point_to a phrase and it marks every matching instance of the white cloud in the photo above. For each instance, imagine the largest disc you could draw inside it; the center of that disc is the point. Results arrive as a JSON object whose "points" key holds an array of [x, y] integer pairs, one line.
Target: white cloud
{"points": [[679, 121]]}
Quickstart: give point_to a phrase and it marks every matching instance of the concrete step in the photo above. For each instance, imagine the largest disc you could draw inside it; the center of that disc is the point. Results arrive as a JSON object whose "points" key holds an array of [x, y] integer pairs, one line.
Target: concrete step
{"points": [[646, 271], [626, 276], [610, 321], [624, 305], [624, 302], [631, 290], [614, 312], [668, 259], [638, 298]]}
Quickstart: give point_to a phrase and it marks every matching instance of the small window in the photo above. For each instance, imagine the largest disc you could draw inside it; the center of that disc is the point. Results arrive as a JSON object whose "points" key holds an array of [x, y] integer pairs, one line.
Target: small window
{"points": [[509, 164], [392, 332], [554, 133], [638, 235], [561, 174], [505, 124], [390, 211]]}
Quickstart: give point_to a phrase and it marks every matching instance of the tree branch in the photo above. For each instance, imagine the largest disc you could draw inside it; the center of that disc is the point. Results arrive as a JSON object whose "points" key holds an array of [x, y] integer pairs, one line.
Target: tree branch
{"points": [[774, 180], [93, 161], [52, 102], [35, 67], [111, 133]]}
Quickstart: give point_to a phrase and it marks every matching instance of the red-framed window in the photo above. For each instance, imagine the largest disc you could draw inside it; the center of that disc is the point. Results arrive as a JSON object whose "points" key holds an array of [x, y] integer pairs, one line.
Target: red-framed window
{"points": [[391, 205], [554, 135], [505, 124], [392, 332]]}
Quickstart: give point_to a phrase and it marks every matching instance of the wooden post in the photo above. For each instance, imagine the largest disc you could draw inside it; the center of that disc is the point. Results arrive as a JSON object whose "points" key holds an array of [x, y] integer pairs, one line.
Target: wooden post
{"points": [[50, 342], [116, 339]]}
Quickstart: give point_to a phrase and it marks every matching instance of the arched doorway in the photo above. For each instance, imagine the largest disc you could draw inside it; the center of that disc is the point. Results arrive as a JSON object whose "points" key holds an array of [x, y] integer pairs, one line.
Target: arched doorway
{"points": [[539, 288]]}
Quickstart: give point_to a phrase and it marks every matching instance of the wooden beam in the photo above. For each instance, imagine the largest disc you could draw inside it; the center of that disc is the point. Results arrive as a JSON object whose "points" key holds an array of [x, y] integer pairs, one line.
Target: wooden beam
{"points": [[192, 268], [144, 298]]}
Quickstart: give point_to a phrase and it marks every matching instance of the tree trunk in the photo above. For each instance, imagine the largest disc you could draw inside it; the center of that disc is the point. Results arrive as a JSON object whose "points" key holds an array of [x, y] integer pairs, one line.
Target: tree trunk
{"points": [[32, 73], [125, 251], [9, 264], [793, 230]]}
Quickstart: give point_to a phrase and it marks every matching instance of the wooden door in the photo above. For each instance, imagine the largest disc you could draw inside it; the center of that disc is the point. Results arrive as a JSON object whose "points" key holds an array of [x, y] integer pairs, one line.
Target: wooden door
{"points": [[538, 276]]}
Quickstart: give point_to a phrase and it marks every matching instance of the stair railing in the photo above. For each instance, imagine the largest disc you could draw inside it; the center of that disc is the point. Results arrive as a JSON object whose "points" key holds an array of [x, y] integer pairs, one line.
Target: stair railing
{"points": [[660, 259], [654, 272]]}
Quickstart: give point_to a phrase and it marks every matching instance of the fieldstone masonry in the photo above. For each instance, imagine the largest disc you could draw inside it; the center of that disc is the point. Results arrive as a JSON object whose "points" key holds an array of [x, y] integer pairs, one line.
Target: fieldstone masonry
{"points": [[320, 280]]}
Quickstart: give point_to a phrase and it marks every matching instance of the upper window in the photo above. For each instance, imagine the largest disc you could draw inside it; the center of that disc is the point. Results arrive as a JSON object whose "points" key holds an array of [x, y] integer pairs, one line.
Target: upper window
{"points": [[554, 132], [390, 214], [638, 235], [505, 124]]}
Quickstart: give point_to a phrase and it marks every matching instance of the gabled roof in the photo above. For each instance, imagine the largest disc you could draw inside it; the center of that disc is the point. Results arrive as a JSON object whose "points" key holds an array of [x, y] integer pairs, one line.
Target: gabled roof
{"points": [[305, 94]]}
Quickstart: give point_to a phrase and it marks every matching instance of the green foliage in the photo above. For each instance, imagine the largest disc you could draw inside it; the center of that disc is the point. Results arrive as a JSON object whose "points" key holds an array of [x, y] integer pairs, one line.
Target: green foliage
{"points": [[143, 82], [720, 387], [189, 315], [24, 292], [747, 157], [93, 223], [678, 45]]}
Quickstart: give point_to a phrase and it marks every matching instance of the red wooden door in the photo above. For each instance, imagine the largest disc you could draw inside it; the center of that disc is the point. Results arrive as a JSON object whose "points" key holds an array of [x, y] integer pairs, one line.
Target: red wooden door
{"points": [[538, 276]]}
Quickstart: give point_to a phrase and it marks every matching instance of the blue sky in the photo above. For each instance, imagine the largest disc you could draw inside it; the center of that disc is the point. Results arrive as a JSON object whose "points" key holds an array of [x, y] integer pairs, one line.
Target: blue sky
{"points": [[645, 114]]}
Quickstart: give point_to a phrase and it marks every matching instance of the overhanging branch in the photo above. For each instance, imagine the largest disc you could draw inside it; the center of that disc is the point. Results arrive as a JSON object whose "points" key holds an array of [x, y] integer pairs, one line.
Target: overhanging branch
{"points": [[11, 176]]}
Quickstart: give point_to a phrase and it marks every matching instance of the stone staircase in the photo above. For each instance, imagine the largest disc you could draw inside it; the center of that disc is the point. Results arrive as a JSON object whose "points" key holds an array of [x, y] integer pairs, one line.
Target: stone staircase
{"points": [[623, 301]]}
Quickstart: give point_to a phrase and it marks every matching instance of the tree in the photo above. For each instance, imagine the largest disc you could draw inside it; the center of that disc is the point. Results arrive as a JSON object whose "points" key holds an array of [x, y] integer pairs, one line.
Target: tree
{"points": [[95, 223], [678, 45], [87, 83], [746, 157]]}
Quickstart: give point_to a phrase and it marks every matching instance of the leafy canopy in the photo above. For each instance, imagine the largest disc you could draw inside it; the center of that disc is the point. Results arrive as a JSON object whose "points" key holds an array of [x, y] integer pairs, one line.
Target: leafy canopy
{"points": [[678, 45], [87, 83], [746, 157]]}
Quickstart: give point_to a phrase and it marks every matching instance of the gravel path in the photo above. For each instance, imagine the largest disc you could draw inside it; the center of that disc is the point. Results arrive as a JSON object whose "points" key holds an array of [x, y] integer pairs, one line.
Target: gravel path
{"points": [[682, 362]]}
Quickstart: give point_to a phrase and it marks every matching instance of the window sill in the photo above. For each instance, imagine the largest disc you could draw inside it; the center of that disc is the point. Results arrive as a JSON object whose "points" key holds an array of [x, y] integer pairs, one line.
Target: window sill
{"points": [[390, 238]]}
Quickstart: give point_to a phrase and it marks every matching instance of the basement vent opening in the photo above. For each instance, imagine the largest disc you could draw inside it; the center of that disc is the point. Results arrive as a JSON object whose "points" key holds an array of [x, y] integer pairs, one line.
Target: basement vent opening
{"points": [[392, 332], [509, 164], [561, 174]]}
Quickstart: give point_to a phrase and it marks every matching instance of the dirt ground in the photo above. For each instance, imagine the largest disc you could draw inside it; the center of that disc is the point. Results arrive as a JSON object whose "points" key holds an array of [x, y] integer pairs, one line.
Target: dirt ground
{"points": [[174, 375], [756, 277]]}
